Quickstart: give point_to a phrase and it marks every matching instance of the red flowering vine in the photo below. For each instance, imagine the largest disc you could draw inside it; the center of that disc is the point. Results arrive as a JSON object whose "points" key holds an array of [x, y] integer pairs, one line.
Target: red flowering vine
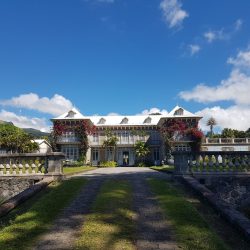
{"points": [[81, 129], [176, 127]]}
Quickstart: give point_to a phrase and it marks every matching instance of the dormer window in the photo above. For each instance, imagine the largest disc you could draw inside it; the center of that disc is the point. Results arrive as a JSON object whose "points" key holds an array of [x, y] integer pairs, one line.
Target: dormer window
{"points": [[124, 120], [71, 114], [148, 120], [102, 121], [179, 111]]}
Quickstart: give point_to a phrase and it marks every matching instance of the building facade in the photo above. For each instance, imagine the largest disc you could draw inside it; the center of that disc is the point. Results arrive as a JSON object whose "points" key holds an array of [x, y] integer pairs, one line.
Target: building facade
{"points": [[128, 130]]}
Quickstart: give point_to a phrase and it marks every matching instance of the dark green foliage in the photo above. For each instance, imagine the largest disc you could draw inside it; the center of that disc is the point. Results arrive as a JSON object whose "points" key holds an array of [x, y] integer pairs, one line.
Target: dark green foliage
{"points": [[190, 228], [22, 232], [14, 139]]}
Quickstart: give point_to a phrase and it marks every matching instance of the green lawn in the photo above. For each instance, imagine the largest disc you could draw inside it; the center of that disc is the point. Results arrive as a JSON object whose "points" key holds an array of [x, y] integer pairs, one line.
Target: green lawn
{"points": [[110, 224], [165, 168], [191, 230], [75, 170], [21, 232]]}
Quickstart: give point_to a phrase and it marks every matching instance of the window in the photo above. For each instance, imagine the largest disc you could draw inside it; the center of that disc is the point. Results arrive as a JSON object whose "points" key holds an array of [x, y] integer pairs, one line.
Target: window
{"points": [[124, 120], [182, 147], [109, 155], [156, 154], [71, 152], [148, 120], [95, 137], [102, 121], [71, 114], [125, 137], [179, 111], [95, 155]]}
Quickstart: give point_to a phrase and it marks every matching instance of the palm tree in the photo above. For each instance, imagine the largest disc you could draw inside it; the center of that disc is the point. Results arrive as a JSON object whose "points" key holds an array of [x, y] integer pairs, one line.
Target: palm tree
{"points": [[211, 122], [110, 143], [141, 150]]}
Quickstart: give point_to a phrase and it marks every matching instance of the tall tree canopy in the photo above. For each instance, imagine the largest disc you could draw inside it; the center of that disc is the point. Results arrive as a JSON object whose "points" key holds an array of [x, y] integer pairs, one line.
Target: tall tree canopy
{"points": [[15, 140], [211, 122]]}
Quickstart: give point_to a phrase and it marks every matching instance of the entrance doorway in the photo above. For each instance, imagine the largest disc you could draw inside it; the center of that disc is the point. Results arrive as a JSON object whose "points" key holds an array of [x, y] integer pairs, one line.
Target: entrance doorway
{"points": [[125, 158]]}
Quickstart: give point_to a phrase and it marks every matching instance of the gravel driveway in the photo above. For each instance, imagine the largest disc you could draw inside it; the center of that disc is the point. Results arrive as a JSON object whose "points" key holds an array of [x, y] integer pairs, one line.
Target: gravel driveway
{"points": [[153, 231]]}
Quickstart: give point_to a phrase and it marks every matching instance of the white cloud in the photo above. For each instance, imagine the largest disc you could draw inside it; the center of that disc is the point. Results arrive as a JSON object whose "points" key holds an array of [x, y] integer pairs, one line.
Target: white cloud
{"points": [[235, 117], [153, 110], [224, 33], [194, 49], [24, 121], [112, 114], [173, 12], [54, 106], [236, 88], [238, 24], [242, 60], [211, 36]]}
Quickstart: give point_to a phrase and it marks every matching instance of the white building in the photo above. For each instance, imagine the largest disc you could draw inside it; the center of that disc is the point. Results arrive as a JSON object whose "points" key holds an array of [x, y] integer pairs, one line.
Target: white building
{"points": [[128, 130], [44, 146]]}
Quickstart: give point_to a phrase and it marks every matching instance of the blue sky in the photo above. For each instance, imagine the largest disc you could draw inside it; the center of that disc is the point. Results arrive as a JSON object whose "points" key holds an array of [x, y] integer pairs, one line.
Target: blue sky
{"points": [[124, 56]]}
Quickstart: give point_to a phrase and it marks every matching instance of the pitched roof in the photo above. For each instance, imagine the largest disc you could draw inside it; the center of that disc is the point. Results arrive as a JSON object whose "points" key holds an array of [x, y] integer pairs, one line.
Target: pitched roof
{"points": [[128, 120], [121, 120], [174, 112], [70, 115]]}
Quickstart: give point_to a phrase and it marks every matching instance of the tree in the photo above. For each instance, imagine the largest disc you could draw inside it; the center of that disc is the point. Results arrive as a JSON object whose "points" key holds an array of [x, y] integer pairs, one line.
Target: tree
{"points": [[248, 133], [15, 140], [141, 150], [110, 143], [227, 133], [211, 122]]}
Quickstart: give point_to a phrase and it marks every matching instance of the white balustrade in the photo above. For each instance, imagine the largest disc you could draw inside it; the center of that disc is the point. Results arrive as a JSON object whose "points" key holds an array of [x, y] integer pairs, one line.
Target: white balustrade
{"points": [[30, 164], [212, 162]]}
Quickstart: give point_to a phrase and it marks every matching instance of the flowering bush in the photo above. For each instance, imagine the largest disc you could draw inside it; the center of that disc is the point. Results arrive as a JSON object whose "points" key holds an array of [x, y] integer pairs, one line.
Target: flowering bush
{"points": [[173, 128], [81, 129]]}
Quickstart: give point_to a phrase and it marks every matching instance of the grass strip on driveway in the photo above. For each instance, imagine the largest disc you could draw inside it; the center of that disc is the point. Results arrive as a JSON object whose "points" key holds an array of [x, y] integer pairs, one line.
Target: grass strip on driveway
{"points": [[165, 168], [110, 224], [191, 230], [22, 232], [76, 170]]}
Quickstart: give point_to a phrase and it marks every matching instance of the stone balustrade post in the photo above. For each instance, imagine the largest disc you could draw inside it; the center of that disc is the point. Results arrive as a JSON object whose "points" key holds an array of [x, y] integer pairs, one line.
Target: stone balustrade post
{"points": [[181, 166], [55, 163]]}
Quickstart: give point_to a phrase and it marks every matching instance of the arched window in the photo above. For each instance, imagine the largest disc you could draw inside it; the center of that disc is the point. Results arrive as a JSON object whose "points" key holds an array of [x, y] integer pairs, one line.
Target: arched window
{"points": [[102, 121], [124, 120], [179, 111], [148, 120], [71, 114]]}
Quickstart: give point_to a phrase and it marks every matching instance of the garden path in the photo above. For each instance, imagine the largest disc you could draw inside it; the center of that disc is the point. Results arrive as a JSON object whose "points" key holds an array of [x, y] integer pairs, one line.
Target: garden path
{"points": [[153, 231]]}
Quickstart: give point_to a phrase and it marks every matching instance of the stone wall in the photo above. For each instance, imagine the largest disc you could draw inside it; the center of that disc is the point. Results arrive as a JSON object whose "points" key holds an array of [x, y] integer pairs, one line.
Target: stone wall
{"points": [[232, 190], [10, 187]]}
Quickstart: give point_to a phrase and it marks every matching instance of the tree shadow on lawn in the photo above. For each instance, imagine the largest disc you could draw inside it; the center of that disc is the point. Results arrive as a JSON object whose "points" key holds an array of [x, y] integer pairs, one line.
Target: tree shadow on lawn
{"points": [[190, 229], [24, 229], [110, 225]]}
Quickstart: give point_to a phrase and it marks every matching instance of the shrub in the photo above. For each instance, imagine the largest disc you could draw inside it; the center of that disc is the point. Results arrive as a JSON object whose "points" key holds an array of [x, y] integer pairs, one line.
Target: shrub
{"points": [[141, 165], [73, 163], [108, 164]]}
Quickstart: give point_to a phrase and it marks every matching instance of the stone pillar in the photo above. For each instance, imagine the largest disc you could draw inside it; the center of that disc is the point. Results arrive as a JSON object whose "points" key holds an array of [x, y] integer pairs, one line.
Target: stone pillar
{"points": [[55, 163], [181, 166]]}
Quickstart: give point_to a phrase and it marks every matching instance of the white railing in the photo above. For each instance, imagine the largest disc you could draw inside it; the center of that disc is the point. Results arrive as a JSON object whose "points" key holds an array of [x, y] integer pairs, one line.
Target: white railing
{"points": [[30, 164], [212, 162], [227, 141]]}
